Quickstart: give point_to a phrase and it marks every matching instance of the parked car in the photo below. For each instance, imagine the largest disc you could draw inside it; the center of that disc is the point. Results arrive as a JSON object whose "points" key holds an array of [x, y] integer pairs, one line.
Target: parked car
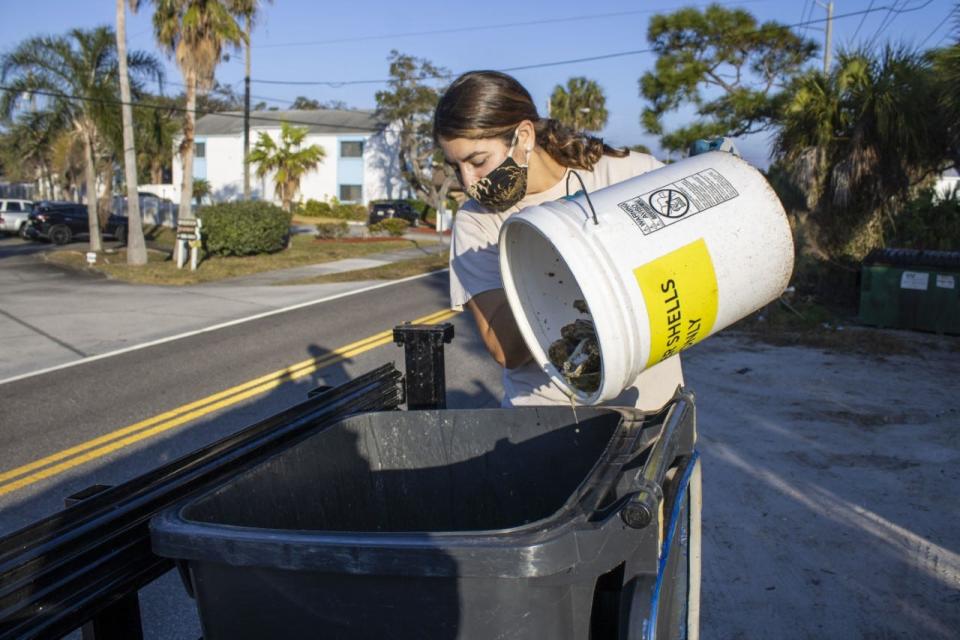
{"points": [[61, 222], [402, 209], [14, 215]]}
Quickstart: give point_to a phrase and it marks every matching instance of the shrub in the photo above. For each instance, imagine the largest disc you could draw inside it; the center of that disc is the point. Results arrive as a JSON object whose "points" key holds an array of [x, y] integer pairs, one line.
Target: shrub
{"points": [[314, 209], [333, 209], [393, 226], [332, 230], [346, 210], [244, 228], [927, 222]]}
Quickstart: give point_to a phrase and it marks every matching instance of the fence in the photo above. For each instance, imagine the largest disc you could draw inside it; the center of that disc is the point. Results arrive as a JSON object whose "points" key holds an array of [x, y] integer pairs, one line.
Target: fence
{"points": [[153, 210], [18, 190]]}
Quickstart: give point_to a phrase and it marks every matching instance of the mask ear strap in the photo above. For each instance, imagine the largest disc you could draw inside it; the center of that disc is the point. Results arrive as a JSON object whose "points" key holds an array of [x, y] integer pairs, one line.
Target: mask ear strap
{"points": [[513, 145]]}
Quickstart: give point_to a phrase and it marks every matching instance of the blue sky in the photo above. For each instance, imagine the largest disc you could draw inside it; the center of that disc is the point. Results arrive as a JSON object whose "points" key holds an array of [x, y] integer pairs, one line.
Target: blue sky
{"points": [[368, 30]]}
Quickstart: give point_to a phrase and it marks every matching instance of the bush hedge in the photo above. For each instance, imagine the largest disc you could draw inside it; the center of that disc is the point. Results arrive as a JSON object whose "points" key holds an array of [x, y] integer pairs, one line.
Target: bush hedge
{"points": [[332, 230], [332, 209], [244, 228], [393, 226], [927, 222], [314, 209]]}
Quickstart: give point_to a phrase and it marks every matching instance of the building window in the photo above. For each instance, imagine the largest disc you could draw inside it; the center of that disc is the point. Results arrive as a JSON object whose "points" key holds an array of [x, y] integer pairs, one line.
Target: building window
{"points": [[351, 149], [351, 192], [199, 150]]}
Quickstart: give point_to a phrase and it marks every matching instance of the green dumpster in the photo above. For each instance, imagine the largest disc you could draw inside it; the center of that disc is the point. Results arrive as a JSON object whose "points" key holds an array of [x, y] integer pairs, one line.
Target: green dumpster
{"points": [[911, 289]]}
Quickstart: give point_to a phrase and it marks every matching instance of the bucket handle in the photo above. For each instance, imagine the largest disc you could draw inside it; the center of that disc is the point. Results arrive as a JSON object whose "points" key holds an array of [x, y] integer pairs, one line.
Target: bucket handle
{"points": [[585, 194]]}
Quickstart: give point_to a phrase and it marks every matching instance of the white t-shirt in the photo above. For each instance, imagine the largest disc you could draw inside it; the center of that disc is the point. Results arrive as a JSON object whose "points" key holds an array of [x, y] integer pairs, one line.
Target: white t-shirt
{"points": [[475, 268]]}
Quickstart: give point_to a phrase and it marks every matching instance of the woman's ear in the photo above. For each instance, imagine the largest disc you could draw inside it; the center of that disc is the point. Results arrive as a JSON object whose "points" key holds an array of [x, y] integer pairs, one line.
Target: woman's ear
{"points": [[526, 136]]}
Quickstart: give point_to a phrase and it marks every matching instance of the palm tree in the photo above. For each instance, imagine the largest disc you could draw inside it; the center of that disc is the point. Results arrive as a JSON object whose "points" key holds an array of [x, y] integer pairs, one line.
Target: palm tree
{"points": [[201, 189], [287, 161], [77, 75], [136, 245], [946, 65], [859, 140], [28, 144], [156, 130], [67, 162], [195, 32], [248, 10], [580, 105]]}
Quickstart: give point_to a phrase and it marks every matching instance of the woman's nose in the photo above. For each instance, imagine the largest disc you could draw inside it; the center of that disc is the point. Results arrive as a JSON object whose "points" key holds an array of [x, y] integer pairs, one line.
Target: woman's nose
{"points": [[467, 177]]}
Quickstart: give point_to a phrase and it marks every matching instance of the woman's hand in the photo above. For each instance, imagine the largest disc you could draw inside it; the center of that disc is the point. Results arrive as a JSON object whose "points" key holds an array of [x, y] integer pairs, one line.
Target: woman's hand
{"points": [[498, 328]]}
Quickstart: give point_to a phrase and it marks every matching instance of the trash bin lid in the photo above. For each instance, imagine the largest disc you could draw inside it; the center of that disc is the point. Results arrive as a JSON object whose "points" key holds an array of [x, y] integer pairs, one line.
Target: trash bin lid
{"points": [[914, 258]]}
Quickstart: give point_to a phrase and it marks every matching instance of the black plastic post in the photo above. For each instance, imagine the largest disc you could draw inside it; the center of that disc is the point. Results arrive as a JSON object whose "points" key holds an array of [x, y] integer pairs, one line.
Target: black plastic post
{"points": [[423, 349], [121, 619]]}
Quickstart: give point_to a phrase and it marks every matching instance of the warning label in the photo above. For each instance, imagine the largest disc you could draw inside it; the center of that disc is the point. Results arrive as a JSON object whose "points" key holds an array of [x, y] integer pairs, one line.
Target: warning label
{"points": [[916, 280], [679, 200], [681, 294], [946, 282]]}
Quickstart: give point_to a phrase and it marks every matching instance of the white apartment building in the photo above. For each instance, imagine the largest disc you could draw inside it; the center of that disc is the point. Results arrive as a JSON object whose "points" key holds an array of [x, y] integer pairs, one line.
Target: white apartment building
{"points": [[361, 161]]}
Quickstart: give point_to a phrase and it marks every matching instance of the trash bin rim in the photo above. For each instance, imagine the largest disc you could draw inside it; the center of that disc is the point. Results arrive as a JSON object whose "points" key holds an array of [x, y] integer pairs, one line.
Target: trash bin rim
{"points": [[531, 554], [175, 536]]}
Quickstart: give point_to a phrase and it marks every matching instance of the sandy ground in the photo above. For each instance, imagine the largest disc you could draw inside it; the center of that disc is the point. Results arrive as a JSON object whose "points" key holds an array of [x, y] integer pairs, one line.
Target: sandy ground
{"points": [[831, 488]]}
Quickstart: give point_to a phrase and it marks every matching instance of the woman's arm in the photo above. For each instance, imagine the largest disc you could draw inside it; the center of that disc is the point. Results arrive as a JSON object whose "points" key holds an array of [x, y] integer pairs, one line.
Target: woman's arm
{"points": [[498, 328]]}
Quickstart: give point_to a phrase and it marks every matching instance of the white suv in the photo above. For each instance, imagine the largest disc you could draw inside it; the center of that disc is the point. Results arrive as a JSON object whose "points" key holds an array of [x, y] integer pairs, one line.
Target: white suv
{"points": [[13, 216]]}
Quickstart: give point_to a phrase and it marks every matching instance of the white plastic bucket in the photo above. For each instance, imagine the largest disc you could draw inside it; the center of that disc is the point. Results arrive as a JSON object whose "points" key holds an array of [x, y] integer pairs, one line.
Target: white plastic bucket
{"points": [[674, 256]]}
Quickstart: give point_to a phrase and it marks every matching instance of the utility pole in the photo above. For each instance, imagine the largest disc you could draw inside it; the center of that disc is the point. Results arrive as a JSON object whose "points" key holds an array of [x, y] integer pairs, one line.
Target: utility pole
{"points": [[246, 116], [829, 35]]}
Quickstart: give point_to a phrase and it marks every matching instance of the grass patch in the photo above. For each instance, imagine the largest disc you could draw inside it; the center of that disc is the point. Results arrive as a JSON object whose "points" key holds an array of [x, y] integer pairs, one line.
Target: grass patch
{"points": [[113, 258], [393, 271], [159, 236], [163, 271]]}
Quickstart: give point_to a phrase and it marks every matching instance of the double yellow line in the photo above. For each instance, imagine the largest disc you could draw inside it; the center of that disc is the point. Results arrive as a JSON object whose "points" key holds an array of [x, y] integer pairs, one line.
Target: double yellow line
{"points": [[61, 461]]}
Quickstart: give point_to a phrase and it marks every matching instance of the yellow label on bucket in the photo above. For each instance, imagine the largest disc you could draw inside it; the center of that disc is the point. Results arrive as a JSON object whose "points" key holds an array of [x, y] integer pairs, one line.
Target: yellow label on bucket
{"points": [[680, 290]]}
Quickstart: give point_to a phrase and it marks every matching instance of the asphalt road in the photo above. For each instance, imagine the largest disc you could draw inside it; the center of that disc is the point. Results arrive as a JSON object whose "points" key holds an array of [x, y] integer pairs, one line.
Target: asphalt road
{"points": [[46, 414]]}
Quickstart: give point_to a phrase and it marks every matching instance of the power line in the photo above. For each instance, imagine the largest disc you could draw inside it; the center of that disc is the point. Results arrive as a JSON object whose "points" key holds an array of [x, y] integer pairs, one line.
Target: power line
{"points": [[805, 14], [343, 83], [261, 118], [473, 29], [283, 101], [886, 22], [444, 76], [162, 107], [938, 26], [433, 32], [862, 20]]}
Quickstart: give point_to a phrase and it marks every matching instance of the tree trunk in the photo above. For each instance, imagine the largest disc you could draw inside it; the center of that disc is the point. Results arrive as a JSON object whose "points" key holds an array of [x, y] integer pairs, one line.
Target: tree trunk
{"points": [[105, 203], [186, 153], [156, 172], [246, 117], [136, 245], [93, 222], [48, 174]]}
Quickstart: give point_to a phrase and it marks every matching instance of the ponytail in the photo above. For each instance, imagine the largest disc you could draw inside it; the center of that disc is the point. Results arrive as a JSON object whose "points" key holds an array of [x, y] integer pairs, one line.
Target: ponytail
{"points": [[490, 104], [571, 148]]}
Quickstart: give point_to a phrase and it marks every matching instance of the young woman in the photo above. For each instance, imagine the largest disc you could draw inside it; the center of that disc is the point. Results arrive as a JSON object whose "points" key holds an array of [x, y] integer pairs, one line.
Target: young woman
{"points": [[507, 157]]}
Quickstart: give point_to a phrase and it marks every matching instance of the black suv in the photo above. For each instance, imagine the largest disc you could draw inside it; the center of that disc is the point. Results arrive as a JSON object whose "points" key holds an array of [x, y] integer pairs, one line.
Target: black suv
{"points": [[402, 209], [60, 222]]}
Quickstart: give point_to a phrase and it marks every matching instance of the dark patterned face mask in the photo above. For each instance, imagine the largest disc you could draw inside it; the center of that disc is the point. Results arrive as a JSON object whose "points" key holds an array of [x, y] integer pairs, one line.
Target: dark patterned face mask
{"points": [[503, 187]]}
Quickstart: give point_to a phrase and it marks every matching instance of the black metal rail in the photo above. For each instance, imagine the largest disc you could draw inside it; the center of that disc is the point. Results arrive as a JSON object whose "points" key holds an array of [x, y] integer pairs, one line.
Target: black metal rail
{"points": [[85, 564]]}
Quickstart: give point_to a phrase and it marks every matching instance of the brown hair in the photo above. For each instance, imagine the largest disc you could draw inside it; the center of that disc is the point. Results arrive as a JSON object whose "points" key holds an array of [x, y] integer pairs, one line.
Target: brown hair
{"points": [[490, 104]]}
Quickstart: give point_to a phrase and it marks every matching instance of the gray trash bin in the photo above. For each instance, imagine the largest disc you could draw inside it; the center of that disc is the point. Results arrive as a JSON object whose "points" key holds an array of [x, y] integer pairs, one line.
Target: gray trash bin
{"points": [[432, 524]]}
